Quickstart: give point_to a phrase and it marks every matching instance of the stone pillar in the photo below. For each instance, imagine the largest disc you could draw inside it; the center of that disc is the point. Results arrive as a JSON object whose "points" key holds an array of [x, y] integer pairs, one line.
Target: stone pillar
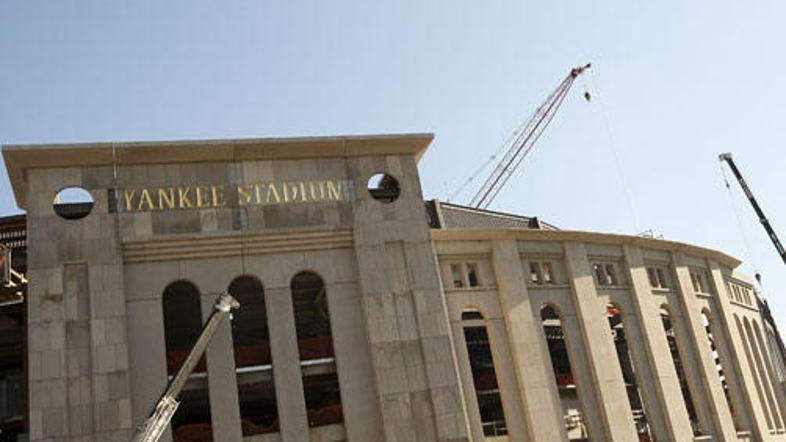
{"points": [[666, 407], [530, 356], [78, 348], [731, 350], [465, 373], [599, 344], [221, 383], [287, 376], [506, 377], [406, 317], [691, 312]]}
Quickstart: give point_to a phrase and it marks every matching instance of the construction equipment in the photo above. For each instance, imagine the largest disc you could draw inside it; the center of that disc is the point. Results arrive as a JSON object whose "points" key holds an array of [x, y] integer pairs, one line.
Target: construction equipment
{"points": [[162, 414], [522, 140], [762, 218]]}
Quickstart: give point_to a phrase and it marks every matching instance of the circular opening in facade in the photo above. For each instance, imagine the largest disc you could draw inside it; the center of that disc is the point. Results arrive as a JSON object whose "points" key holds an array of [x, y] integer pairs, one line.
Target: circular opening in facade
{"points": [[384, 188], [73, 203]]}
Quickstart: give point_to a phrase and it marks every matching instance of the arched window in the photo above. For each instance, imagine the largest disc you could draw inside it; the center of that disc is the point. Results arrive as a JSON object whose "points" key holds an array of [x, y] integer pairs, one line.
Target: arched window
{"points": [[253, 363], [315, 346], [182, 325], [705, 319], [671, 338], [563, 374], [614, 314], [484, 376]]}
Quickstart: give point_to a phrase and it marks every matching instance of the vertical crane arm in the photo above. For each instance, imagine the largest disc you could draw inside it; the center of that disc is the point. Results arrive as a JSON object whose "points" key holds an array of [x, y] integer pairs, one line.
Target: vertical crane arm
{"points": [[762, 218]]}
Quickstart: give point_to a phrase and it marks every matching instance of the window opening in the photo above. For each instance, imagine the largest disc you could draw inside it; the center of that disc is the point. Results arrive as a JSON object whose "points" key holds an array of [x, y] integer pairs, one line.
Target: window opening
{"points": [[760, 366], [611, 274], [563, 375], [253, 362], [548, 272], [73, 203], [458, 275], [484, 376], [671, 338], [315, 347], [472, 275], [384, 188], [182, 325], [719, 368], [534, 273], [600, 274], [614, 314]]}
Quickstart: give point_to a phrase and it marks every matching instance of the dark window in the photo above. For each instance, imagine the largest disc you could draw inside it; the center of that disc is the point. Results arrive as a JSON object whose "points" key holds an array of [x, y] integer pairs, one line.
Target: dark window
{"points": [[253, 363], [563, 374], [182, 325], [484, 377], [671, 338], [472, 274], [315, 345], [628, 370]]}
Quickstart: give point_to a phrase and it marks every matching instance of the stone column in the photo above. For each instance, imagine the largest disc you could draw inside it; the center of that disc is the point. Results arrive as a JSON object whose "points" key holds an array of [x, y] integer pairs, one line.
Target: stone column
{"points": [[666, 412], [465, 374], [599, 344], [506, 377], [406, 316], [537, 389], [287, 376], [731, 350], [221, 382], [691, 312]]}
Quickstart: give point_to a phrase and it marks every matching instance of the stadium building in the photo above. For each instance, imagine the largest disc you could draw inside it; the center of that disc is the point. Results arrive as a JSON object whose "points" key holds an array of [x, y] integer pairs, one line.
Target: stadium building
{"points": [[366, 315]]}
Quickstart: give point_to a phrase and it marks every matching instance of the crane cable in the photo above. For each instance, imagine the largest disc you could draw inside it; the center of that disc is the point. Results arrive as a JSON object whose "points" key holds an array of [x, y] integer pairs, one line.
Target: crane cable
{"points": [[613, 149], [740, 225]]}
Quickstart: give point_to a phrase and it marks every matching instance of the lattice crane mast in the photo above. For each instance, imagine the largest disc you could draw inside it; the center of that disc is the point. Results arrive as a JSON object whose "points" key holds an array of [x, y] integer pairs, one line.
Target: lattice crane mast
{"points": [[522, 140]]}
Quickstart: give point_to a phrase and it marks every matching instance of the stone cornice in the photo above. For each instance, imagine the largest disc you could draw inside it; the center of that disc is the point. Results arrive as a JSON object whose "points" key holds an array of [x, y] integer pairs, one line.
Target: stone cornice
{"points": [[586, 237], [19, 158]]}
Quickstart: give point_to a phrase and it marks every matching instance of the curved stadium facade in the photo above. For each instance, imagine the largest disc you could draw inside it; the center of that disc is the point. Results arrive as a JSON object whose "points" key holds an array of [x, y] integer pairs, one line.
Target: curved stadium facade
{"points": [[366, 315]]}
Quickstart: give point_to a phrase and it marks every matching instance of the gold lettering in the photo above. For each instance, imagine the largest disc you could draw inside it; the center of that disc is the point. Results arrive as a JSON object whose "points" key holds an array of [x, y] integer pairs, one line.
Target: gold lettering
{"points": [[335, 190], [315, 196], [144, 197], [128, 197], [290, 191], [244, 197], [201, 196], [302, 191], [271, 191], [218, 196], [182, 193], [258, 192], [166, 196]]}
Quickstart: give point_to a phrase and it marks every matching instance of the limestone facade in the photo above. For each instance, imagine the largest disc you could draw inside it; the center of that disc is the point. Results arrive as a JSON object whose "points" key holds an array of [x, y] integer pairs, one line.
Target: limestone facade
{"points": [[408, 305]]}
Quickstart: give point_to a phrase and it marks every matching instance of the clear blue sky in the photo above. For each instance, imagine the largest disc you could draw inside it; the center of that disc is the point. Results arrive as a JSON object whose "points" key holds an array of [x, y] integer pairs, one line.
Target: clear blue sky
{"points": [[678, 82]]}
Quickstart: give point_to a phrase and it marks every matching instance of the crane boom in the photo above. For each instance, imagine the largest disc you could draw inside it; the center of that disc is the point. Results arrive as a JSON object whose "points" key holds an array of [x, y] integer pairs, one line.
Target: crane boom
{"points": [[152, 429], [762, 218], [522, 140]]}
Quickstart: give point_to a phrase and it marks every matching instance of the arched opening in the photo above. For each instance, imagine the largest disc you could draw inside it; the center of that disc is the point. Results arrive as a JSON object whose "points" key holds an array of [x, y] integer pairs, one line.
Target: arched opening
{"points": [[253, 363], [711, 339], [671, 338], [563, 373], [484, 375], [182, 325], [614, 314], [752, 364], [315, 346], [73, 203]]}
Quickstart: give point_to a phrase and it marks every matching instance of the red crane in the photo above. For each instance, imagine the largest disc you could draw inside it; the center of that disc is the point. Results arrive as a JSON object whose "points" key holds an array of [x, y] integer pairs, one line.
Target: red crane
{"points": [[522, 140]]}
